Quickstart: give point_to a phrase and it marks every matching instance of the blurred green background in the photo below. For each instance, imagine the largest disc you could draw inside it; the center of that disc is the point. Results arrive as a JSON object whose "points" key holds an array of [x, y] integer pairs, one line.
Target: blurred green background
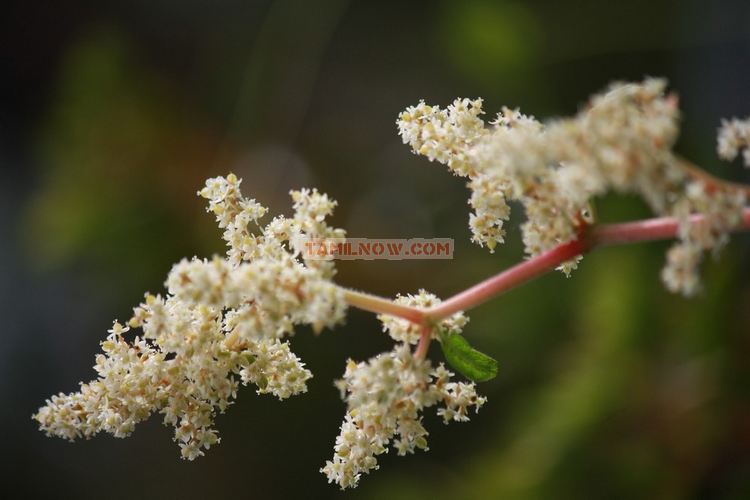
{"points": [[113, 113]]}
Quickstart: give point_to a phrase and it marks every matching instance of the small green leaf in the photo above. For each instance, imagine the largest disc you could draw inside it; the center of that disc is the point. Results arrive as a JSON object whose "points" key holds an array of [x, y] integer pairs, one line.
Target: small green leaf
{"points": [[466, 360]]}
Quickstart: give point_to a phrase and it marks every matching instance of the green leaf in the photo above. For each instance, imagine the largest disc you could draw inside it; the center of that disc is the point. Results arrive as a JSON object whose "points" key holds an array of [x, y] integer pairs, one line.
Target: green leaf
{"points": [[466, 360]]}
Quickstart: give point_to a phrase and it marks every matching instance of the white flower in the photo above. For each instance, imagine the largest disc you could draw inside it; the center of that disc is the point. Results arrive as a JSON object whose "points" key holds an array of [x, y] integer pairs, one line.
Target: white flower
{"points": [[621, 141], [733, 137], [402, 330], [680, 274], [310, 211], [443, 135], [384, 399], [271, 366], [221, 323]]}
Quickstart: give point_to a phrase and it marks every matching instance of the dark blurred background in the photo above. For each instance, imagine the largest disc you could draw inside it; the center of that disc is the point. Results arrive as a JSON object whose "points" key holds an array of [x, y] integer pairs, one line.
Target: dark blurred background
{"points": [[113, 113]]}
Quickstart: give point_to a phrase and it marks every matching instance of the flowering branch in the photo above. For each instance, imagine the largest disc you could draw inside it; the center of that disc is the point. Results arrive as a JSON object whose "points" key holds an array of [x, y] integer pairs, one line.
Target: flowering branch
{"points": [[226, 322], [660, 228]]}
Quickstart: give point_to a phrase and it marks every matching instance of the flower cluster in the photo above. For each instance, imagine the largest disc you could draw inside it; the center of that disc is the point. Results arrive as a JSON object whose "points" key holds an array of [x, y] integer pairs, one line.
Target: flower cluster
{"points": [[734, 136], [620, 141], [225, 321], [407, 332], [722, 208], [384, 399], [386, 395], [222, 323]]}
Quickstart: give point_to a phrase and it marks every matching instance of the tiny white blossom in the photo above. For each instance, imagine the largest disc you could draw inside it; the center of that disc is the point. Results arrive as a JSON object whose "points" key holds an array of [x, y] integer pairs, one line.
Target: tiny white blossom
{"points": [[221, 324], [384, 399], [402, 330], [271, 366], [620, 141], [443, 135], [733, 137]]}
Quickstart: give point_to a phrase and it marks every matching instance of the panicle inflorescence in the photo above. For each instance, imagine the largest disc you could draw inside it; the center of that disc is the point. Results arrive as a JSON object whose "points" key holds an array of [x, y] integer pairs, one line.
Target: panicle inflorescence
{"points": [[620, 141], [222, 323], [385, 397]]}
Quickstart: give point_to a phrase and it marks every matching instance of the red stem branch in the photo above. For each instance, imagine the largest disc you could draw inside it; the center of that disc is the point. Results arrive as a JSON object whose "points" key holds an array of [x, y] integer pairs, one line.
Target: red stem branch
{"points": [[611, 234], [510, 278], [424, 343]]}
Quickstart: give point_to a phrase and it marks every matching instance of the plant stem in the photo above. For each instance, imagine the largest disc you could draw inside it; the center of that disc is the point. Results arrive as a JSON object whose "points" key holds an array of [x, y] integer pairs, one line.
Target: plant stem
{"points": [[510, 278], [380, 305], [661, 228], [696, 172], [610, 234], [607, 234], [424, 343]]}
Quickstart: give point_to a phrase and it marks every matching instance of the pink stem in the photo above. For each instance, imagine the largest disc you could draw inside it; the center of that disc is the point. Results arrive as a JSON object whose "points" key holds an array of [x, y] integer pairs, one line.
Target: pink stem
{"points": [[424, 343], [611, 234], [649, 229], [380, 305], [510, 278]]}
